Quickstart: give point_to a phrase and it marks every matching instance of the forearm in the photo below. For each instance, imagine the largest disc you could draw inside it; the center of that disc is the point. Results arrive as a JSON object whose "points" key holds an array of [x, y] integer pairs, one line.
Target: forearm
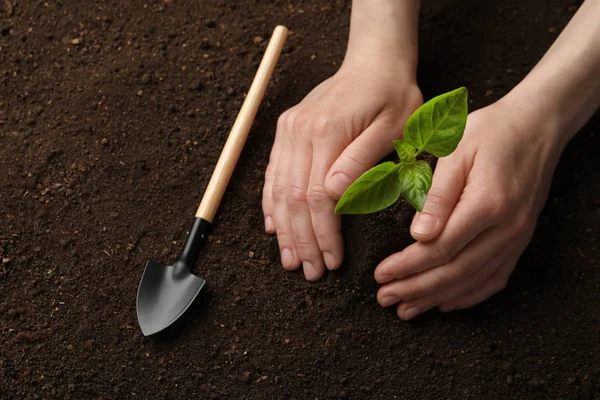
{"points": [[384, 31], [564, 88]]}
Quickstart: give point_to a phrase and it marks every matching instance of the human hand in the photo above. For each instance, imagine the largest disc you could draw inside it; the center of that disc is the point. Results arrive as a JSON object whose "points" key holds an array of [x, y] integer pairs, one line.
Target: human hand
{"points": [[341, 129], [479, 215]]}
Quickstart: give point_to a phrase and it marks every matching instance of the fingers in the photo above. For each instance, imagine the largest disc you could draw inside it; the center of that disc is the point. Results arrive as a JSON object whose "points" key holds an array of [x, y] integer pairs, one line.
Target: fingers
{"points": [[294, 198], [306, 244], [364, 152], [448, 183], [466, 222], [326, 224], [477, 255], [281, 215], [493, 285], [267, 201], [411, 308]]}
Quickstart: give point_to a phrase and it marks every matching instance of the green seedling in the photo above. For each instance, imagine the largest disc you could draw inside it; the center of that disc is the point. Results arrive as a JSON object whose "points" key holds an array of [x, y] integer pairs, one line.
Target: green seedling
{"points": [[435, 128]]}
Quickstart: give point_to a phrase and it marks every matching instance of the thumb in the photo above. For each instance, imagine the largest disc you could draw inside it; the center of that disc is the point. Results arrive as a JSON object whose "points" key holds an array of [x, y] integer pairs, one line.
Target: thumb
{"points": [[362, 154], [446, 188]]}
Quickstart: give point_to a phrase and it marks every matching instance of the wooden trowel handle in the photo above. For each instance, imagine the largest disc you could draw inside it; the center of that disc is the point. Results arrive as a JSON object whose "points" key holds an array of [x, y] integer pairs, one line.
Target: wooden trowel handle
{"points": [[239, 132]]}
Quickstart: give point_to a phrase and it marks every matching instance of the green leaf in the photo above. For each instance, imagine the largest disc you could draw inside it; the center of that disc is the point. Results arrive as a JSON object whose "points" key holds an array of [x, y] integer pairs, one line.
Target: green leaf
{"points": [[415, 180], [438, 125], [375, 190], [405, 150]]}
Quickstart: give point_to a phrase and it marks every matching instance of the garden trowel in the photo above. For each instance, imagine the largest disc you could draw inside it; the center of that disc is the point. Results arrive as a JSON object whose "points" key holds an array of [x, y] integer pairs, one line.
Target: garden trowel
{"points": [[165, 292]]}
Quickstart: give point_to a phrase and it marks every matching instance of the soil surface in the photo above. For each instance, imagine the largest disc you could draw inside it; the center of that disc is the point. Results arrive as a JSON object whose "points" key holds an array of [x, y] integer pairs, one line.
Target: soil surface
{"points": [[112, 116]]}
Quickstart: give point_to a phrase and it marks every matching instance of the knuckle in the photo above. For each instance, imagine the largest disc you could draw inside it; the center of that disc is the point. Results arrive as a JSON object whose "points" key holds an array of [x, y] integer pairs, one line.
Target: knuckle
{"points": [[283, 119], [299, 122], [490, 209], [321, 124], [418, 288], [317, 196], [267, 194], [459, 270], [436, 197], [414, 98], [278, 190], [322, 237], [270, 171], [303, 246], [296, 195], [355, 156], [443, 253], [522, 225], [498, 205], [284, 236]]}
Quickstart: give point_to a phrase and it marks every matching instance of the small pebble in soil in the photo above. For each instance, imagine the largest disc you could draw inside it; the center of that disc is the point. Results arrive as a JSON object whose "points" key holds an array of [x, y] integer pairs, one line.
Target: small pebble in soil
{"points": [[146, 79], [140, 92], [205, 44], [535, 383], [258, 39], [196, 85], [104, 142], [246, 377]]}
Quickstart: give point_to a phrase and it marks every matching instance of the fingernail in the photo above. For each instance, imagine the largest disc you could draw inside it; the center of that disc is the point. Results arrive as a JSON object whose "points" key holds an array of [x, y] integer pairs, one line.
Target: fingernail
{"points": [[269, 224], [424, 224], [309, 271], [338, 183], [388, 301], [329, 260], [286, 257], [411, 313]]}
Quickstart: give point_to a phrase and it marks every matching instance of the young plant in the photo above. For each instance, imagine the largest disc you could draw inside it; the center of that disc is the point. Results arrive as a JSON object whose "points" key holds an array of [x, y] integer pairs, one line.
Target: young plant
{"points": [[436, 128]]}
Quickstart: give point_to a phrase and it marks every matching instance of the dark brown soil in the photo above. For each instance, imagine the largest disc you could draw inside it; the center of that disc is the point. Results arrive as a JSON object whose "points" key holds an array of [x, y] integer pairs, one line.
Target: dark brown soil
{"points": [[112, 116]]}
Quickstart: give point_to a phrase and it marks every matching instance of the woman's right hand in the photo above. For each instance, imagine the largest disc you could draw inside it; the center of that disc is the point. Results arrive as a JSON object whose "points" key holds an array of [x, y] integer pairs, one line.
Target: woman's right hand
{"points": [[341, 129]]}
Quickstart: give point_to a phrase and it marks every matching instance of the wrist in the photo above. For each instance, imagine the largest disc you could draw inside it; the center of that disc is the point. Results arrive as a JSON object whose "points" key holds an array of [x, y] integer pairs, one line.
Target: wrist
{"points": [[532, 117], [525, 106], [563, 90], [383, 35]]}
